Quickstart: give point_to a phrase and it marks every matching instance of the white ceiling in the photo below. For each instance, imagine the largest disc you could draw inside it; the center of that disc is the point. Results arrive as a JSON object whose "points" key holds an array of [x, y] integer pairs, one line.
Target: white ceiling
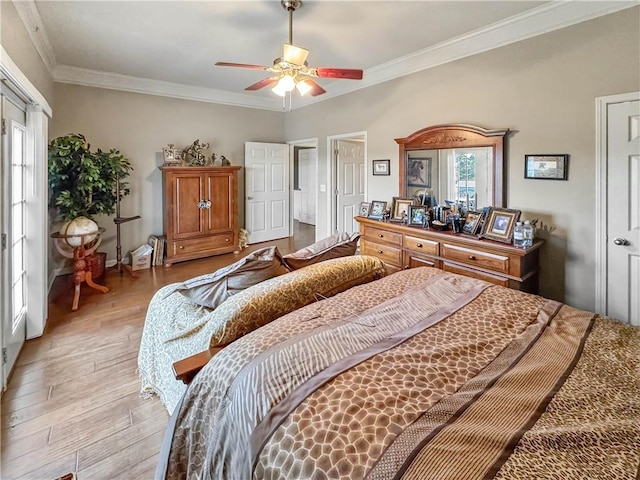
{"points": [[169, 47]]}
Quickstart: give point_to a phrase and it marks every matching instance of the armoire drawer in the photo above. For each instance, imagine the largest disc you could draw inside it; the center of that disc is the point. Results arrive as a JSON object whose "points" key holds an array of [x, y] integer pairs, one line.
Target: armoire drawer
{"points": [[477, 258], [203, 244]]}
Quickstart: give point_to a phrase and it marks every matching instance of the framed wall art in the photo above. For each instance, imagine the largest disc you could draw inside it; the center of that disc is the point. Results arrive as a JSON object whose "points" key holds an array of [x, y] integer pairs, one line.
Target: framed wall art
{"points": [[382, 167], [419, 172], [500, 223], [546, 166]]}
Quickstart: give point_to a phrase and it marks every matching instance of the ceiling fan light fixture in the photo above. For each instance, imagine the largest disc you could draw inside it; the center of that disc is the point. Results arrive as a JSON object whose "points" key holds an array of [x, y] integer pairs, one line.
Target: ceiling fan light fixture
{"points": [[303, 87], [284, 85], [294, 55]]}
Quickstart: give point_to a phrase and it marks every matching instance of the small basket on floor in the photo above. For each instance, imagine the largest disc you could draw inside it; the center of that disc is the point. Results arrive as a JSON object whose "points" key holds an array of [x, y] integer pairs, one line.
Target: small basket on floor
{"points": [[96, 264]]}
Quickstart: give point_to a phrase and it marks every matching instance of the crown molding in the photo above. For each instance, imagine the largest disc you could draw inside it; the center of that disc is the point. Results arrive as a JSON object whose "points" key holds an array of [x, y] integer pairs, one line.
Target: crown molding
{"points": [[126, 83], [546, 18], [32, 21]]}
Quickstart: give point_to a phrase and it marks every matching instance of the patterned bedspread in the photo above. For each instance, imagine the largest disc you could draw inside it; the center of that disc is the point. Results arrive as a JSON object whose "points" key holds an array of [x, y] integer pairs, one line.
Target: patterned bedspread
{"points": [[420, 375]]}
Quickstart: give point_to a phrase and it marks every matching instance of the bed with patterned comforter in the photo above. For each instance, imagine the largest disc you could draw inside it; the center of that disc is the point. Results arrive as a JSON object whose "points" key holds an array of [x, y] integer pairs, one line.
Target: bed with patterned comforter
{"points": [[420, 375]]}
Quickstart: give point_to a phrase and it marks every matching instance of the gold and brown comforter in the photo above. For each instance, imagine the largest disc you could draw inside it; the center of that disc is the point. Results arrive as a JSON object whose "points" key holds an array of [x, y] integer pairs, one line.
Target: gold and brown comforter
{"points": [[420, 375]]}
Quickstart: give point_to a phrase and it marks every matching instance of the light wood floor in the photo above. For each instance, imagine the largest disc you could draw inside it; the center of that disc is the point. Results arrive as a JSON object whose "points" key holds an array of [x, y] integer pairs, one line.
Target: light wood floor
{"points": [[73, 404]]}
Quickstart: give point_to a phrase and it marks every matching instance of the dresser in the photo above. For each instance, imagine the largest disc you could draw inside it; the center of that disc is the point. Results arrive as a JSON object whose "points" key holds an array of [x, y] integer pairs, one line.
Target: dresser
{"points": [[400, 246], [200, 211]]}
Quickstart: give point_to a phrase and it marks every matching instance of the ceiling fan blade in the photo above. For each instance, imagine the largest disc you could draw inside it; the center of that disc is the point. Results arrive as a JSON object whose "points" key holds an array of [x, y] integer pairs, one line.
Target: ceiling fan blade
{"points": [[262, 83], [242, 65], [315, 88], [348, 73], [293, 54]]}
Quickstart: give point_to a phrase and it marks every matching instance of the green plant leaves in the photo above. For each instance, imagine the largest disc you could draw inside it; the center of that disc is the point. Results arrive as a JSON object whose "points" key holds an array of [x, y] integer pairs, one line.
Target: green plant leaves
{"points": [[81, 182]]}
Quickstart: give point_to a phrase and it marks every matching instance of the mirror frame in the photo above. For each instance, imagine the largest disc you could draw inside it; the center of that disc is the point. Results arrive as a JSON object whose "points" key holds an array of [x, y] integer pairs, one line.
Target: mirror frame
{"points": [[457, 135]]}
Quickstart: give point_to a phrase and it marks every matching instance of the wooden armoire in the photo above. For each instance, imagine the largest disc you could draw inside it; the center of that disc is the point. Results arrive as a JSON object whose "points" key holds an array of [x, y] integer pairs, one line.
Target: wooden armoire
{"points": [[200, 211]]}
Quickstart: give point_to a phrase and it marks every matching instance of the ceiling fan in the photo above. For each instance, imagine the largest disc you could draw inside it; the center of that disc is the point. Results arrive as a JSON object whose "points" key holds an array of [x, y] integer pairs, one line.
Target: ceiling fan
{"points": [[292, 70]]}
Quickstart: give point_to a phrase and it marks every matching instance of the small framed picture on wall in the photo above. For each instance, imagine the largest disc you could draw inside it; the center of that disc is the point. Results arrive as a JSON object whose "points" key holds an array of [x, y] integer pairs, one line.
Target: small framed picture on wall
{"points": [[382, 167]]}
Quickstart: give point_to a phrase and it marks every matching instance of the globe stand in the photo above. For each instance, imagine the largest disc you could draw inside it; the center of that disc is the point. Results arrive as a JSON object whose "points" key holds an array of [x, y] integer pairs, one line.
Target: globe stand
{"points": [[89, 242]]}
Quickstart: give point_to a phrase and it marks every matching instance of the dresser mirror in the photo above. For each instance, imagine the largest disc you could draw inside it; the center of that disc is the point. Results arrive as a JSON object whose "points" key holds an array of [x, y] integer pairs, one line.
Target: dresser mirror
{"points": [[453, 164]]}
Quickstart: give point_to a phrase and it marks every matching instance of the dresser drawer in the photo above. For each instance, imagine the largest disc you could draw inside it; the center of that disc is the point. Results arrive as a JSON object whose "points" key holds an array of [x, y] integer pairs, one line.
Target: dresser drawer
{"points": [[420, 245], [386, 253], [477, 258], [381, 235], [470, 272], [204, 244]]}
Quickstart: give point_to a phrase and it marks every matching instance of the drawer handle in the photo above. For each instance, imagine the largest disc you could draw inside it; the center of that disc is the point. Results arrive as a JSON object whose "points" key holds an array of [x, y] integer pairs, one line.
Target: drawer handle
{"points": [[380, 252], [226, 239], [181, 247], [472, 257], [419, 245], [381, 235]]}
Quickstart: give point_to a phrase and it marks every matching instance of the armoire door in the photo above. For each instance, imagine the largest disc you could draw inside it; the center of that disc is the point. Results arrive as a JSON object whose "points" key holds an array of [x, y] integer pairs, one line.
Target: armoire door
{"points": [[188, 191], [219, 190]]}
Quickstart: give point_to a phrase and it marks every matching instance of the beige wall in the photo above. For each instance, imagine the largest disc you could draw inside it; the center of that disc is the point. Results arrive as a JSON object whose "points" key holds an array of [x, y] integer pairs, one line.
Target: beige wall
{"points": [[15, 40], [544, 90], [139, 126]]}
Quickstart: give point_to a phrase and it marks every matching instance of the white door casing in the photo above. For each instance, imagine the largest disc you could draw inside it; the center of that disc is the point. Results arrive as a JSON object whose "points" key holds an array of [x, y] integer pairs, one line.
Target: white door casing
{"points": [[307, 183], [14, 279], [267, 191], [350, 179], [623, 212]]}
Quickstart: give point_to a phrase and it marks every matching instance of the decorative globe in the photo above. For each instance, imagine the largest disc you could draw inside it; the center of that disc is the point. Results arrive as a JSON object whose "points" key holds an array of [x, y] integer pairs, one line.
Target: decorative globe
{"points": [[79, 226]]}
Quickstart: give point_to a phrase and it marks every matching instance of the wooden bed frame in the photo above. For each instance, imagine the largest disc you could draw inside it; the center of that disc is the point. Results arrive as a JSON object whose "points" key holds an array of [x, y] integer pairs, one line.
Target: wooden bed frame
{"points": [[187, 368]]}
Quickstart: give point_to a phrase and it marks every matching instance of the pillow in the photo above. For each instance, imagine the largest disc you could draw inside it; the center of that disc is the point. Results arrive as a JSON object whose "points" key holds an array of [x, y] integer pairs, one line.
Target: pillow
{"points": [[338, 245], [212, 289]]}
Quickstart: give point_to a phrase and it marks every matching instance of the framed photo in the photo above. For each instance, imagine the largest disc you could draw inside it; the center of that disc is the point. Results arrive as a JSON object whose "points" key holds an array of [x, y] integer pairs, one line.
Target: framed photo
{"points": [[419, 172], [382, 167], [377, 209], [417, 215], [363, 209], [171, 155], [400, 208], [546, 167], [473, 223], [500, 223]]}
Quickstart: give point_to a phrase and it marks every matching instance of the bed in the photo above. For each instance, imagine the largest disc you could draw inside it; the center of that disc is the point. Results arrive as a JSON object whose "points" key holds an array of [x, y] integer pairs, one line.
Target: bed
{"points": [[422, 374]]}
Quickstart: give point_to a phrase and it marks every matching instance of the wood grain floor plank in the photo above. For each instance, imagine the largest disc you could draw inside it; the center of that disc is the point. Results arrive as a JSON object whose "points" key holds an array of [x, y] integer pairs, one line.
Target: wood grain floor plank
{"points": [[73, 400], [111, 445]]}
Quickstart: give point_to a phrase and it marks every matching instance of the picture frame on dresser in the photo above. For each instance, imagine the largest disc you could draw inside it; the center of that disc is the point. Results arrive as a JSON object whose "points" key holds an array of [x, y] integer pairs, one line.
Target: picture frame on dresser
{"points": [[364, 208], [377, 209], [473, 223], [400, 209], [500, 223], [417, 215]]}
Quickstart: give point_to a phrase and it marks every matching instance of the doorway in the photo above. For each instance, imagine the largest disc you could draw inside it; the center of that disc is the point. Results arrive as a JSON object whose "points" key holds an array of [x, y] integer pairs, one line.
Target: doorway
{"points": [[304, 193], [618, 207], [348, 179]]}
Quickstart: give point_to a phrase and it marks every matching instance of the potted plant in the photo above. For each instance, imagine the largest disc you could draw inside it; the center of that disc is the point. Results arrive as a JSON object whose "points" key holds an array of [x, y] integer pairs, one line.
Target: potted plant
{"points": [[82, 183]]}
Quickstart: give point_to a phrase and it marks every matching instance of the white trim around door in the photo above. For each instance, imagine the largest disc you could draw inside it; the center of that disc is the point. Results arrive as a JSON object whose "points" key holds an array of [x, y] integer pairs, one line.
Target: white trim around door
{"points": [[602, 105]]}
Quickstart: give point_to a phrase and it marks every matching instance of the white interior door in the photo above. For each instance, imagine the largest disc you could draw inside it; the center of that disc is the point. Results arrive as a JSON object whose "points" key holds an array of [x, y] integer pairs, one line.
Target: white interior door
{"points": [[13, 281], [266, 191], [307, 181], [623, 211], [350, 181]]}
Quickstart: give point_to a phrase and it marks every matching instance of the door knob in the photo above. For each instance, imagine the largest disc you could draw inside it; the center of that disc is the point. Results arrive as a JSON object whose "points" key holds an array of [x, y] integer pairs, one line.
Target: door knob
{"points": [[249, 198], [621, 241]]}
